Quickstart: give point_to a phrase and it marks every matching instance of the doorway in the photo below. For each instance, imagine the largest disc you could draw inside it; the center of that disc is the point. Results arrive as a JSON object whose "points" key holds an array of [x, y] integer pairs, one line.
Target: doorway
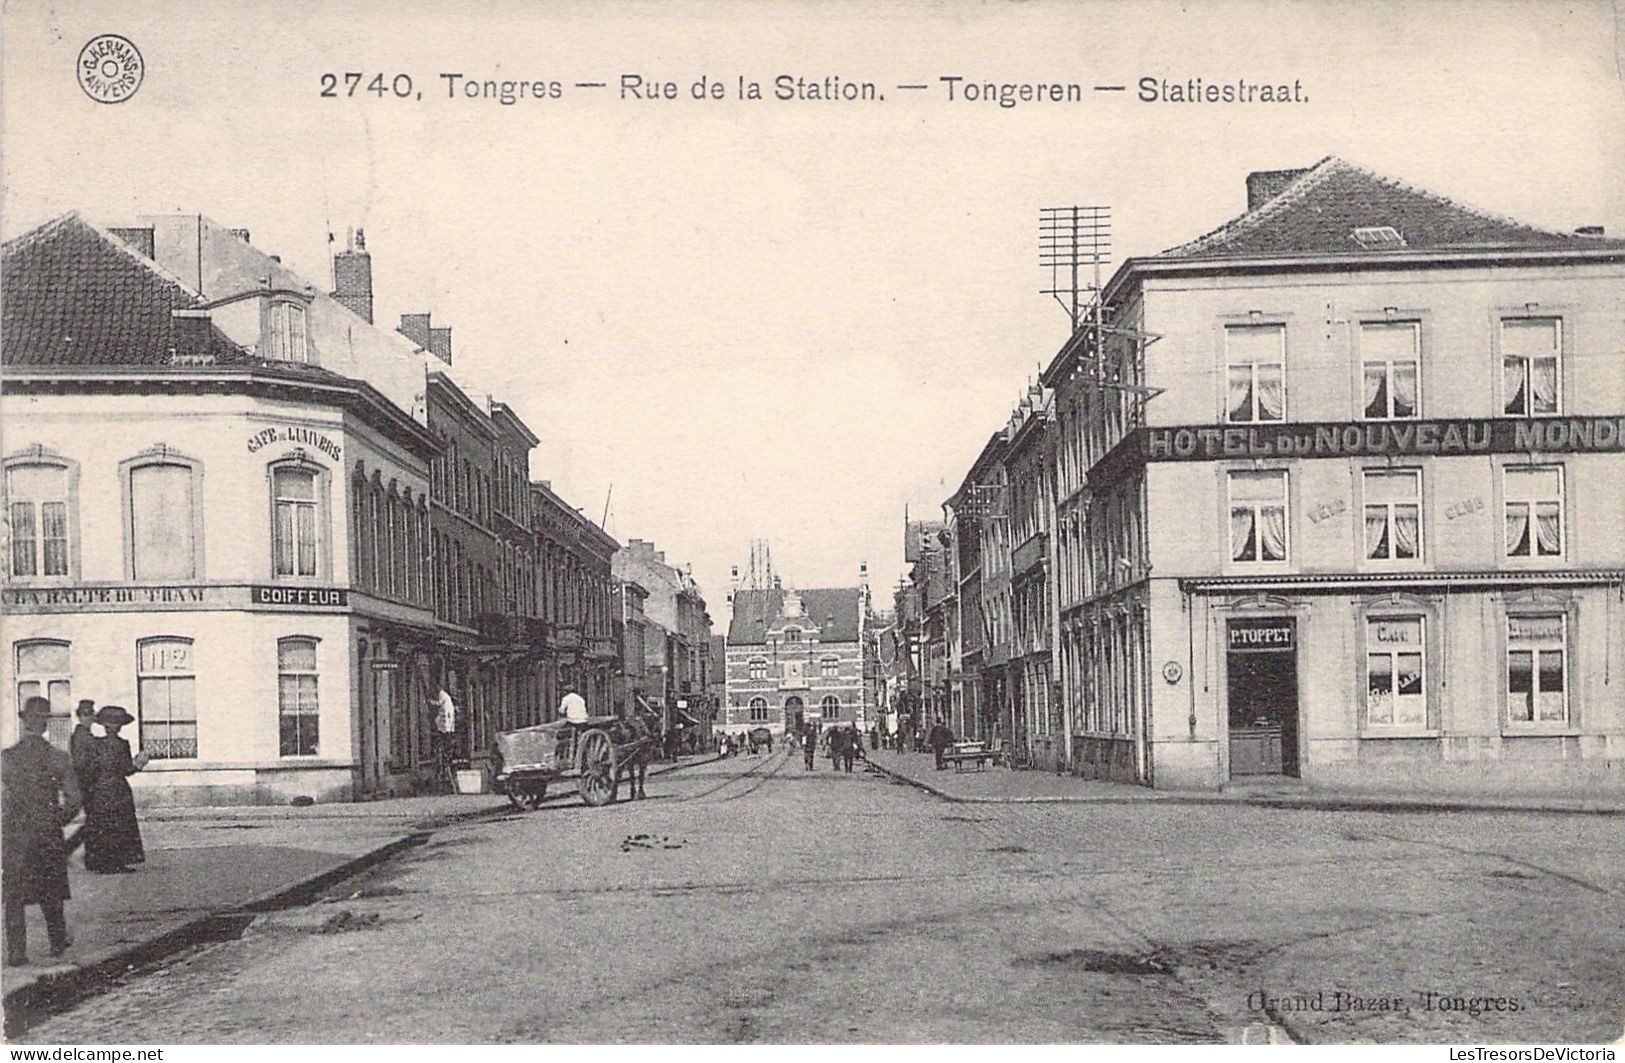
{"points": [[1261, 665]]}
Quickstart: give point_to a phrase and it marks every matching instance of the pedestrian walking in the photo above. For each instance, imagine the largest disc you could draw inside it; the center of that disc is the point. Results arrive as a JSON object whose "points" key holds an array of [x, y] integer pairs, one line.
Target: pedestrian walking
{"points": [[809, 748], [112, 836], [939, 740], [82, 751], [40, 796], [837, 747]]}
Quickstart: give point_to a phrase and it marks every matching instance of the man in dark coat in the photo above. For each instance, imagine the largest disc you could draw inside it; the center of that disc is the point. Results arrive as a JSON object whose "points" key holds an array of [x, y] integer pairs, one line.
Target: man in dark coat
{"points": [[809, 747], [40, 796], [837, 747], [939, 740], [853, 747], [112, 835], [82, 748]]}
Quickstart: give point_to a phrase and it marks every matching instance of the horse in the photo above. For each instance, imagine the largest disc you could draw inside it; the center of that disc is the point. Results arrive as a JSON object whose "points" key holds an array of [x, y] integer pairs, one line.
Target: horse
{"points": [[635, 741], [759, 737]]}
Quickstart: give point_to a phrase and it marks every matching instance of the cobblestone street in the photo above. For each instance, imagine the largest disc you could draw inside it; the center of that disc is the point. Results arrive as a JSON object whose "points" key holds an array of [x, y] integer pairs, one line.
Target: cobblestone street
{"points": [[750, 901]]}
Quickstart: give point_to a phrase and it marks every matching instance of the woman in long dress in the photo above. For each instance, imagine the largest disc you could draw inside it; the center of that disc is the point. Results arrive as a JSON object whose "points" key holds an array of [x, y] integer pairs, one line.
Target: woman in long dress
{"points": [[112, 836]]}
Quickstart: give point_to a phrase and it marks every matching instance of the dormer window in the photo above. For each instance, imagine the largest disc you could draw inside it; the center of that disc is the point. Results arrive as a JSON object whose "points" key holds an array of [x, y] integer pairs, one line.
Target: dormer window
{"points": [[792, 634], [285, 335]]}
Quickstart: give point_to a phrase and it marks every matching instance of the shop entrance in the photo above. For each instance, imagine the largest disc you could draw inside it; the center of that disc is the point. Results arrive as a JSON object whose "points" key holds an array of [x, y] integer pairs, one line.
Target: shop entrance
{"points": [[1261, 664]]}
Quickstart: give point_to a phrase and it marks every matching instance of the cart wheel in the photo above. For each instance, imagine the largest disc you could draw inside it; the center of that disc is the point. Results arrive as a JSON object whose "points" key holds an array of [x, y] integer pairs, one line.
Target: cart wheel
{"points": [[595, 762], [535, 795], [517, 798]]}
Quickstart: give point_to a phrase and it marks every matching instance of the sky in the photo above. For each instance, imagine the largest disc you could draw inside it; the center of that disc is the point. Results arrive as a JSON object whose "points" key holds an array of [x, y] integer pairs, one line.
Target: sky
{"points": [[787, 320]]}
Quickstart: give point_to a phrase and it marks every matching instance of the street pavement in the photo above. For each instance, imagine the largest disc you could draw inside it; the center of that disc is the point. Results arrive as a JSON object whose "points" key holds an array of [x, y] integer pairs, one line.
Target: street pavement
{"points": [[748, 900]]}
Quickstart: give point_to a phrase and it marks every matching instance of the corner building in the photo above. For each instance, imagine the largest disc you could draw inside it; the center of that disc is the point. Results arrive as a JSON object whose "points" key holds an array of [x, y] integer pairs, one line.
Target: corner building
{"points": [[1338, 498]]}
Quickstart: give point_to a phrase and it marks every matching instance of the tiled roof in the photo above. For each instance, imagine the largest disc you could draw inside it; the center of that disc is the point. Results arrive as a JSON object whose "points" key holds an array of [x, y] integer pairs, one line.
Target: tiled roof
{"points": [[1318, 211], [75, 295], [755, 611]]}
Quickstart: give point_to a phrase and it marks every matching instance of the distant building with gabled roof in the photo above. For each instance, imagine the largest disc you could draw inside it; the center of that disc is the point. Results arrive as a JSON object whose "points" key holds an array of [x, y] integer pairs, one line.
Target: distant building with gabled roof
{"points": [[797, 658]]}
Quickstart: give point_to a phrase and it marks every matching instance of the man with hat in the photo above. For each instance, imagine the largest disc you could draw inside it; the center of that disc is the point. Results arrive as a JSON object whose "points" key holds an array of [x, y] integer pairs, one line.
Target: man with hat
{"points": [[40, 796]]}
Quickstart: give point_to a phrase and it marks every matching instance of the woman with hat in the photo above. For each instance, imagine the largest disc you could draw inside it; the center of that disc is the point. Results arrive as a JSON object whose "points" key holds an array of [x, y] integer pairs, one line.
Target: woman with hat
{"points": [[112, 837]]}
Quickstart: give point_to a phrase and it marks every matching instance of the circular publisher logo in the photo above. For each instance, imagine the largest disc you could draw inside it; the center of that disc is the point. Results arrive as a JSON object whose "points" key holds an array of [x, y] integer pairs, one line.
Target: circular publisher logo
{"points": [[110, 68]]}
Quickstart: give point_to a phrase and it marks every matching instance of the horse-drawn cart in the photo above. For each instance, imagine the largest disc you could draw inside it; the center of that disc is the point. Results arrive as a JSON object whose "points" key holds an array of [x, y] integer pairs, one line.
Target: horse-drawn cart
{"points": [[595, 752]]}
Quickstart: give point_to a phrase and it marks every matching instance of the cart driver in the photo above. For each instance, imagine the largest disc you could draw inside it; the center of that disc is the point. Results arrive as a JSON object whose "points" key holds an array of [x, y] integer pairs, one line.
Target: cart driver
{"points": [[573, 708]]}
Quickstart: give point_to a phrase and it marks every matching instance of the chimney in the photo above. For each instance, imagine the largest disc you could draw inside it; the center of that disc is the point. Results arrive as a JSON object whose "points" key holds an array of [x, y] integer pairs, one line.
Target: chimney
{"points": [[1265, 185], [140, 239], [352, 276], [1591, 230], [440, 343], [415, 327], [863, 573]]}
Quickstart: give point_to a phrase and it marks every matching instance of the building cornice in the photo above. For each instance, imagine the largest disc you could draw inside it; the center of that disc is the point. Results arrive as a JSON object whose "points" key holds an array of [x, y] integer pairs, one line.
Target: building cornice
{"points": [[261, 381]]}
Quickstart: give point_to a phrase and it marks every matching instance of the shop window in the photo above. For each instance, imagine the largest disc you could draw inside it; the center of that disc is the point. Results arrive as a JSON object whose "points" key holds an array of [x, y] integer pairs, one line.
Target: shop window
{"points": [[298, 709], [296, 527], [1255, 373], [1395, 662], [1531, 366], [43, 671], [829, 668], [1390, 356], [166, 687], [39, 517], [1258, 516], [1534, 511], [1393, 514], [1537, 671], [285, 334], [758, 710], [830, 707], [164, 533]]}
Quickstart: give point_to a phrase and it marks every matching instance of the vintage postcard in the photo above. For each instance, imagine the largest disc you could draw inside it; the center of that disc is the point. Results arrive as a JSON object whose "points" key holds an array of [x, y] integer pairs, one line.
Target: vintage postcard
{"points": [[789, 523]]}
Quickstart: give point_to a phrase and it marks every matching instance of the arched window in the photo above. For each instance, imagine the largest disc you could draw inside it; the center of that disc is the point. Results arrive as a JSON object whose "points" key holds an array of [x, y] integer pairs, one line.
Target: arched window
{"points": [[830, 707], [298, 532], [758, 668], [298, 708], [166, 690], [41, 515], [163, 516], [43, 671], [758, 710]]}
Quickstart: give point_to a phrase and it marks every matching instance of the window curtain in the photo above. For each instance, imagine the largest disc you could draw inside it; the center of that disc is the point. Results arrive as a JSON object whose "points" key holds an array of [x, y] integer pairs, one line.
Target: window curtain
{"points": [[1241, 534], [1548, 530], [22, 539], [1407, 529], [1274, 534], [1376, 391], [1376, 531], [1512, 385], [1241, 393], [1405, 390], [1517, 527], [1544, 376], [1271, 397]]}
